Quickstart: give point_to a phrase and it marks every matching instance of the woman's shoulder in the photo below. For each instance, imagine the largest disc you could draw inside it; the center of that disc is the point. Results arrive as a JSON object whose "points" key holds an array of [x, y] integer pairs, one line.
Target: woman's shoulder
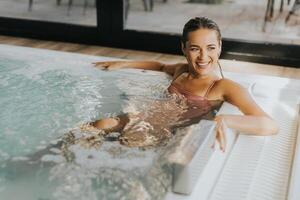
{"points": [[227, 86], [181, 68], [225, 82]]}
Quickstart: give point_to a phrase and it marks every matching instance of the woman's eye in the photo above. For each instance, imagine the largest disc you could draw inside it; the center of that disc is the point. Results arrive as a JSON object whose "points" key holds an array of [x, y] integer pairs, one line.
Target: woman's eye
{"points": [[194, 49]]}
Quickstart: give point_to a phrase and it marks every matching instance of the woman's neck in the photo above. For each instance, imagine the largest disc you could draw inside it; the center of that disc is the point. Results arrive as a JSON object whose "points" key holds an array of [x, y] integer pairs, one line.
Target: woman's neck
{"points": [[201, 77]]}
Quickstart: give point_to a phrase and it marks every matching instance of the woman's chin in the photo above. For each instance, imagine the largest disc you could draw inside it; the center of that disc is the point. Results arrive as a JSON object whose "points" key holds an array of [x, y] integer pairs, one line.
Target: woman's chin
{"points": [[203, 70]]}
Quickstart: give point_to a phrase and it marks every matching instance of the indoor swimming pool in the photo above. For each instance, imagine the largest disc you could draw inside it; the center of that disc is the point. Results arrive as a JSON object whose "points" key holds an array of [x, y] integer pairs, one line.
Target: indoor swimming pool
{"points": [[46, 94]]}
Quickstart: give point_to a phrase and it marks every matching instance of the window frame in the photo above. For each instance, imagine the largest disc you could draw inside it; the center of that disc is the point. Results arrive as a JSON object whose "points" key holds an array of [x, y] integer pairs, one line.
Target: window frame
{"points": [[110, 31]]}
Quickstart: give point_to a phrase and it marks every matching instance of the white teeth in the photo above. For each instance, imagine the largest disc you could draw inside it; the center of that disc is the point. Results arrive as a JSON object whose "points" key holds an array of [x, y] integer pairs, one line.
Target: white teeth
{"points": [[202, 64]]}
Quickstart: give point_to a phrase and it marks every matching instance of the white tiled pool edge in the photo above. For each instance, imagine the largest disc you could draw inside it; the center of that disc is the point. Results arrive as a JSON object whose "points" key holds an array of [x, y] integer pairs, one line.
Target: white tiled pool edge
{"points": [[294, 192], [207, 179], [287, 102]]}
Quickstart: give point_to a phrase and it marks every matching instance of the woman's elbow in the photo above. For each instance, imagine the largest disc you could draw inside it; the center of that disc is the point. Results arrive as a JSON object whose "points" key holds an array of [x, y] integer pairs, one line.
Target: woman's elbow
{"points": [[274, 129], [270, 127]]}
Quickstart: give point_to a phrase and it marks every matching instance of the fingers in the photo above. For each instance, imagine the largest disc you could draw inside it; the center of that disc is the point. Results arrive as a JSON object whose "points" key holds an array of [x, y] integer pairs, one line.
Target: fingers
{"points": [[220, 133], [103, 65], [110, 65], [213, 145], [221, 139]]}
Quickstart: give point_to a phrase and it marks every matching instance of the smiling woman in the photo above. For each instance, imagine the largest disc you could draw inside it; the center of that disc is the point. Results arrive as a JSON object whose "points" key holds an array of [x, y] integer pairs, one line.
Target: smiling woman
{"points": [[197, 85], [201, 45]]}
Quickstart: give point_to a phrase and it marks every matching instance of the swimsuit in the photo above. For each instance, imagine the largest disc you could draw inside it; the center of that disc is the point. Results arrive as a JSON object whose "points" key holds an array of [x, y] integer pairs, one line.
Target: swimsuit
{"points": [[156, 123], [198, 106]]}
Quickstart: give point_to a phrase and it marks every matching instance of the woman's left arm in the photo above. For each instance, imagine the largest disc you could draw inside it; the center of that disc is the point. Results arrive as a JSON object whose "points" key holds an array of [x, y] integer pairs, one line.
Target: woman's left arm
{"points": [[254, 121]]}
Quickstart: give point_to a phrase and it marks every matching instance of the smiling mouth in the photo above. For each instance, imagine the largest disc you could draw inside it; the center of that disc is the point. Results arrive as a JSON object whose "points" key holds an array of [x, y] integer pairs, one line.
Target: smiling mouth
{"points": [[202, 64]]}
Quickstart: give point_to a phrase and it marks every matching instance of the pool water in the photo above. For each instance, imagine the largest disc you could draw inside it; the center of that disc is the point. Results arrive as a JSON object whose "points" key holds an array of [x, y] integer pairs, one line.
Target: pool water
{"points": [[39, 105], [44, 95]]}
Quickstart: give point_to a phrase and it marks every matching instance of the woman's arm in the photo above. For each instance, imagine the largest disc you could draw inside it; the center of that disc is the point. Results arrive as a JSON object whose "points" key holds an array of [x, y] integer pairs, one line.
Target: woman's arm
{"points": [[250, 124], [254, 121], [147, 65]]}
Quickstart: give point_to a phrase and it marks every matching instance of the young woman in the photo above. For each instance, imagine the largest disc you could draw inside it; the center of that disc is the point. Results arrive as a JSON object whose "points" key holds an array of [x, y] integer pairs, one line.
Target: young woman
{"points": [[196, 83]]}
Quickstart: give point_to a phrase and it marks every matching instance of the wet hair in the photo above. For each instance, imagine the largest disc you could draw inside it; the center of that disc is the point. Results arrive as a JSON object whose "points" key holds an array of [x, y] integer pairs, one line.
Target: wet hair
{"points": [[199, 23]]}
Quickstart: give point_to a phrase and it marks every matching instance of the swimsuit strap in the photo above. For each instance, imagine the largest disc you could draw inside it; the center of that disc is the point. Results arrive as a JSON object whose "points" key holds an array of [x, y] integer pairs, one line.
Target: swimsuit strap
{"points": [[207, 91], [209, 88], [179, 74]]}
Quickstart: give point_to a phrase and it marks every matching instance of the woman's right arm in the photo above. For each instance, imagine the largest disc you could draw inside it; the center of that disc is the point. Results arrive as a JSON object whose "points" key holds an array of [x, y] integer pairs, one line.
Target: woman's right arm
{"points": [[147, 65]]}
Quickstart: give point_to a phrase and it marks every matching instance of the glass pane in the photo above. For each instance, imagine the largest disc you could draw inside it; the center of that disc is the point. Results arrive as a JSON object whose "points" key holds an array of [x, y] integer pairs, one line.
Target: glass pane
{"points": [[81, 12], [238, 19]]}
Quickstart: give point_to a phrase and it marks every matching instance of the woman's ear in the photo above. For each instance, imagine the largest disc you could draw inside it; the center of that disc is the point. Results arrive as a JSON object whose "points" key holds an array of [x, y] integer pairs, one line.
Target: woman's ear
{"points": [[183, 49], [220, 49]]}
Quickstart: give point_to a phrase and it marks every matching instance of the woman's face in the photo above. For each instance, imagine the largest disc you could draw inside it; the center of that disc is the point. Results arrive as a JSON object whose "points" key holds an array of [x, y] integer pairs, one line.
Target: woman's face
{"points": [[202, 51]]}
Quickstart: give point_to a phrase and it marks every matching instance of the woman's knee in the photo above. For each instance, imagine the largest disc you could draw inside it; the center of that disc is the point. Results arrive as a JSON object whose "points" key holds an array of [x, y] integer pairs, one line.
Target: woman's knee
{"points": [[107, 123]]}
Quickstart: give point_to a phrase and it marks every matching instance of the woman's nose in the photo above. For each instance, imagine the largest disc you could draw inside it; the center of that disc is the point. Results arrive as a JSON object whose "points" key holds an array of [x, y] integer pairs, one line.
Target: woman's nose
{"points": [[202, 55]]}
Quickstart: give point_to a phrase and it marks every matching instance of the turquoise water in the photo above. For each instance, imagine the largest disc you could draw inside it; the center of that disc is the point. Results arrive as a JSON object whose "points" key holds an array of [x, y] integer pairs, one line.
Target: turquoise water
{"points": [[44, 94], [44, 106]]}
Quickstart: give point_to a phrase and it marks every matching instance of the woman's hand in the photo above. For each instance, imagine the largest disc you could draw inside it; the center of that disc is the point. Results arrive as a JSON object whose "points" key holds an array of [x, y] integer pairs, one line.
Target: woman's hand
{"points": [[220, 132], [110, 65]]}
